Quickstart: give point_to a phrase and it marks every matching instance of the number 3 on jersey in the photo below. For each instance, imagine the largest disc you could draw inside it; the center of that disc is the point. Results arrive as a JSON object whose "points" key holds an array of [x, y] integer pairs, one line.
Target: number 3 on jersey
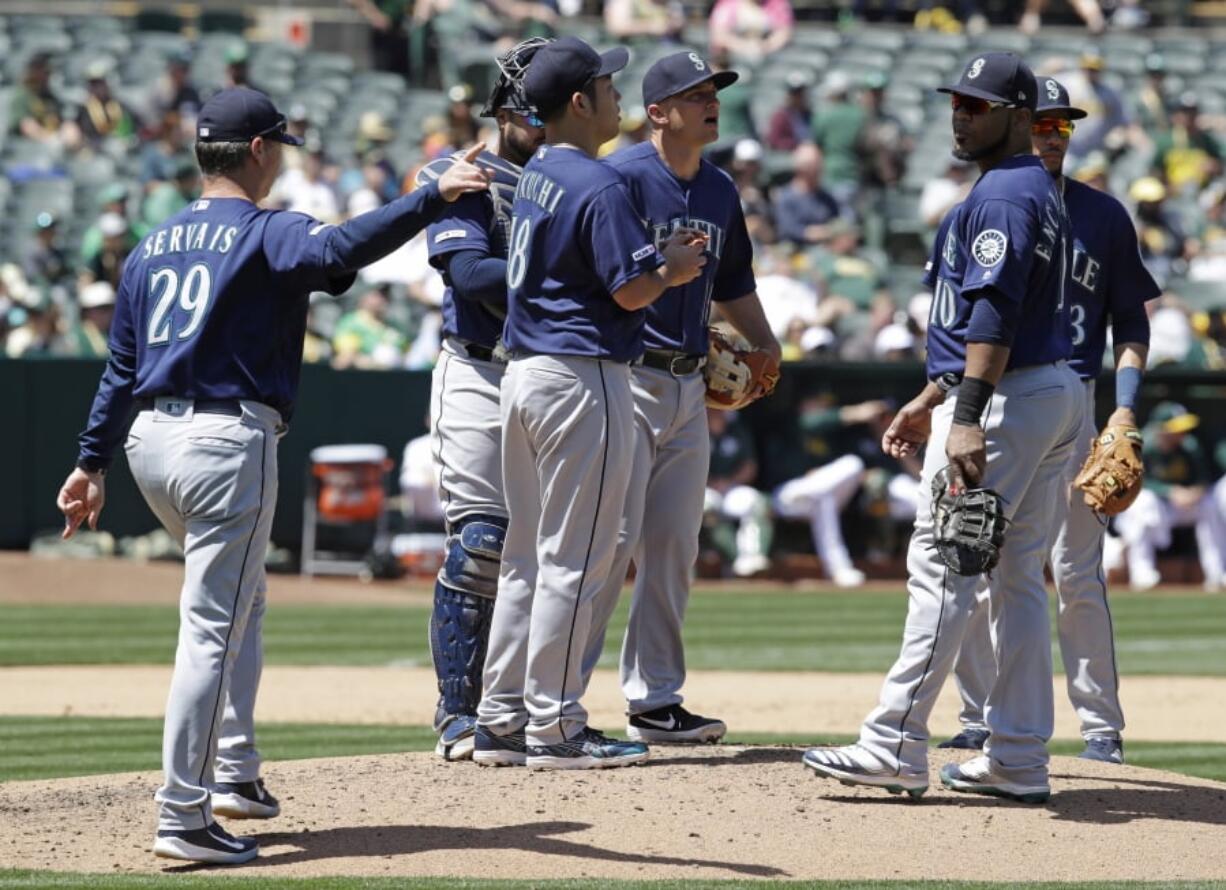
{"points": [[1077, 319], [517, 254], [192, 294]]}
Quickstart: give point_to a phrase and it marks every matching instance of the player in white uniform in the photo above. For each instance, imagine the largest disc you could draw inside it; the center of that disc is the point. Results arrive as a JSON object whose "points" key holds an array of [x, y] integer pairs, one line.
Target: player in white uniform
{"points": [[1107, 283], [1002, 409]]}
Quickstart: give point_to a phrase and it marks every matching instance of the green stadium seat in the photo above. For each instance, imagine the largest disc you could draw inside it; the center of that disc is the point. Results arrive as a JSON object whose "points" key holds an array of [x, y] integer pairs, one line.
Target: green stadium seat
{"points": [[819, 38], [940, 41], [159, 20], [1201, 295], [1001, 40], [222, 21]]}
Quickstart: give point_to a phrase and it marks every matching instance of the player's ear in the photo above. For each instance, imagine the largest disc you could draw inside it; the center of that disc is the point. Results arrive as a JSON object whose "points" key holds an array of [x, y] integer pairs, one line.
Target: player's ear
{"points": [[657, 115], [582, 104]]}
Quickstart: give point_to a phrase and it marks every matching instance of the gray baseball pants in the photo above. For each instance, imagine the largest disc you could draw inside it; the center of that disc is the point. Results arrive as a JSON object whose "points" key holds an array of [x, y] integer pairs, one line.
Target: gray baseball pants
{"points": [[211, 480], [568, 434], [1032, 422]]}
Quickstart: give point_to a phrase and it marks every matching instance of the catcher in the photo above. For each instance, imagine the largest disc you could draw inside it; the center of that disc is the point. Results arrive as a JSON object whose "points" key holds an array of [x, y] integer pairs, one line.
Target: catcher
{"points": [[1107, 285]]}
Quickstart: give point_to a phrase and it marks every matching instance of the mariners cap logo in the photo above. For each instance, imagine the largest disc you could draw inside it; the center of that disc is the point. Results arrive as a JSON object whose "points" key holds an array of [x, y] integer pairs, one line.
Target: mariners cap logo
{"points": [[699, 64], [975, 69], [1053, 90], [989, 247]]}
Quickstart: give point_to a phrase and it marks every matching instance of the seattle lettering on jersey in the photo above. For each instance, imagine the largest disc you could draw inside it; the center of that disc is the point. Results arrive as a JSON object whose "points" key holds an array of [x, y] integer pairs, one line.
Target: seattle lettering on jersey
{"points": [[715, 234], [540, 190], [1085, 268]]}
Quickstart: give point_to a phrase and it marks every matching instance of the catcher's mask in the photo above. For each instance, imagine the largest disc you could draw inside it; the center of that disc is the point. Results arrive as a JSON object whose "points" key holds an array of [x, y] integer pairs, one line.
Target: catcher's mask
{"points": [[508, 88]]}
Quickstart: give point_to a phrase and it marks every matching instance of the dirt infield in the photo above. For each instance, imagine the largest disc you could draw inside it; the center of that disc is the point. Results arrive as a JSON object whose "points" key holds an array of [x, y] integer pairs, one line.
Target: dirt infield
{"points": [[1158, 708], [725, 812]]}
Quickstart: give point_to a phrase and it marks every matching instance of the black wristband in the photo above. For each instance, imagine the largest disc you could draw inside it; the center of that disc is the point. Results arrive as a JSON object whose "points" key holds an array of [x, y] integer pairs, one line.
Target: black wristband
{"points": [[973, 396]]}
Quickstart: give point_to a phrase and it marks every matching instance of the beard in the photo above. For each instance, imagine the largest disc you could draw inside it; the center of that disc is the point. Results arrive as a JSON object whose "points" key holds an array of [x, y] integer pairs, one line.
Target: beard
{"points": [[963, 154], [519, 148]]}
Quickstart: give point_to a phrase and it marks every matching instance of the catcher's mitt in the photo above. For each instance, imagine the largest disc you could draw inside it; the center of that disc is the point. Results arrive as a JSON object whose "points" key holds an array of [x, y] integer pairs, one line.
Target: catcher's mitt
{"points": [[734, 370], [968, 527], [1112, 474]]}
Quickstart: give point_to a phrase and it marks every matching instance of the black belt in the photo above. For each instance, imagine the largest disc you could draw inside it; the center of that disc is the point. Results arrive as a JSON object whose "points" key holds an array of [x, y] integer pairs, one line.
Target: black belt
{"points": [[231, 407], [676, 363], [477, 351]]}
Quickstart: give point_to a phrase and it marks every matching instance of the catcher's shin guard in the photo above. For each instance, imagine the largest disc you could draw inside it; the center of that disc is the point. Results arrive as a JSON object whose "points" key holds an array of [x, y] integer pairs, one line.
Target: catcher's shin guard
{"points": [[459, 634]]}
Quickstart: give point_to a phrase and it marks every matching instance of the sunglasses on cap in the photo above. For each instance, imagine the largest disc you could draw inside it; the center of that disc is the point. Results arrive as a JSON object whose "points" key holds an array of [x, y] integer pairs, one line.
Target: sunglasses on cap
{"points": [[1051, 126], [973, 105]]}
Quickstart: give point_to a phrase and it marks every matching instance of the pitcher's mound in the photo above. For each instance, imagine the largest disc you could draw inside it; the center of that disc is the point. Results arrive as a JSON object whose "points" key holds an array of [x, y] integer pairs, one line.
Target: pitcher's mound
{"points": [[717, 812]]}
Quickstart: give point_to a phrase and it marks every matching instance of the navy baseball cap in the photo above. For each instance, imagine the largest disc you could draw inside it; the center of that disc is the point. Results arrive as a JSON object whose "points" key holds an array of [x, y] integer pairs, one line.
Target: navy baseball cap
{"points": [[677, 73], [239, 114], [996, 77], [562, 68], [1053, 99]]}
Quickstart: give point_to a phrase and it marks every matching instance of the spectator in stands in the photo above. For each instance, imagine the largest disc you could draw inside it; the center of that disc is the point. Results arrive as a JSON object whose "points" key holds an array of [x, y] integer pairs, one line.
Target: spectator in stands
{"points": [[938, 16], [837, 129], [1088, 10], [1170, 332], [364, 338], [175, 91], [1177, 480], [114, 199], [101, 116], [45, 262], [1151, 101], [461, 124], [107, 264], [894, 343], [735, 100], [750, 29], [308, 190], [746, 172], [861, 345], [316, 344], [842, 270], [1159, 231], [36, 112], [97, 305], [161, 157], [804, 209], [370, 195], [884, 144], [1108, 126], [389, 32], [1185, 155], [165, 199], [828, 479], [650, 22], [237, 74], [1093, 171], [373, 136], [942, 194], [791, 122], [1209, 260], [731, 495], [38, 334]]}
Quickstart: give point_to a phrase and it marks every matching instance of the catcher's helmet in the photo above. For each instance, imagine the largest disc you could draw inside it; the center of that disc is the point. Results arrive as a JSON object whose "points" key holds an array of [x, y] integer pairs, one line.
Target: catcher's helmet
{"points": [[508, 88]]}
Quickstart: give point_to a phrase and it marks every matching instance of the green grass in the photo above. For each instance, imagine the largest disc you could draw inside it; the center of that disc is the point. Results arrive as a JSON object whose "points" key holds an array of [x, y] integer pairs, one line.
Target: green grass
{"points": [[759, 630], [31, 879], [55, 747]]}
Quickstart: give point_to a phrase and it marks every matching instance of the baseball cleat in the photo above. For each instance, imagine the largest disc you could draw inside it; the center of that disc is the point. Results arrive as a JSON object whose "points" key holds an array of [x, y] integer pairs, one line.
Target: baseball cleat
{"points": [[852, 765], [1104, 749], [456, 740], [967, 740], [975, 777], [499, 750], [672, 724], [590, 749], [244, 800], [212, 844]]}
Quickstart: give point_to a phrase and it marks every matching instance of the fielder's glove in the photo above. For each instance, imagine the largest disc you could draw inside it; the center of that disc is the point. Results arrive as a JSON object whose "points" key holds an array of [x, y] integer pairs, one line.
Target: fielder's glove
{"points": [[968, 527], [734, 370], [1112, 474]]}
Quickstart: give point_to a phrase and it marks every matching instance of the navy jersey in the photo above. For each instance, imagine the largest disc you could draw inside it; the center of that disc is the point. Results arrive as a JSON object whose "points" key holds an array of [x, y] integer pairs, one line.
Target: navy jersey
{"points": [[709, 203], [1106, 277], [575, 239], [1000, 271], [480, 222], [213, 303]]}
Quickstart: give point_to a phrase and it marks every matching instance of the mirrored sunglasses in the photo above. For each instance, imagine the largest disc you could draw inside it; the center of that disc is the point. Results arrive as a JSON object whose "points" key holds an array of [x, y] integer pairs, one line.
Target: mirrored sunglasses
{"points": [[974, 105], [1049, 126]]}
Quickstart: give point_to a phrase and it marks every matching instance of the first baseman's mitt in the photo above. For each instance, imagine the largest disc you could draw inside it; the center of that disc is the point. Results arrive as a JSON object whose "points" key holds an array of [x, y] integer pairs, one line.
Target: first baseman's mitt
{"points": [[1112, 474], [734, 370], [968, 527]]}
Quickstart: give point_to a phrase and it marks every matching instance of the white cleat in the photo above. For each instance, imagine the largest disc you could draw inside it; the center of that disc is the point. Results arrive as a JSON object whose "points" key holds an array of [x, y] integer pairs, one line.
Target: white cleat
{"points": [[852, 765]]}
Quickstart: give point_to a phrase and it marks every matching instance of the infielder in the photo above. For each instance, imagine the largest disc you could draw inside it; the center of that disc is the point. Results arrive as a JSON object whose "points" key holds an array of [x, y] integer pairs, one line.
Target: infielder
{"points": [[468, 245], [1107, 282], [207, 345], [1002, 408], [580, 270], [674, 188]]}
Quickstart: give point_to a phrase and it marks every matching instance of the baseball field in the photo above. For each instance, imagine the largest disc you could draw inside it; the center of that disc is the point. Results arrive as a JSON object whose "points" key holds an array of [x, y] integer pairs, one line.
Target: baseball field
{"points": [[85, 656]]}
